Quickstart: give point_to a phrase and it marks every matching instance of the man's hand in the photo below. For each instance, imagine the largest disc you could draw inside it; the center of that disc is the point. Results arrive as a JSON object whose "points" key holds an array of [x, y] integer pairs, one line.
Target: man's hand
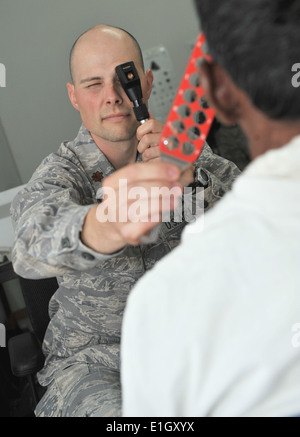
{"points": [[149, 135], [134, 199]]}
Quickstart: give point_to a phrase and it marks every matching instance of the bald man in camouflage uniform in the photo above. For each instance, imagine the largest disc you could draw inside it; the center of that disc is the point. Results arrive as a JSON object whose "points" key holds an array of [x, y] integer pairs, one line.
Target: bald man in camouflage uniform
{"points": [[97, 264]]}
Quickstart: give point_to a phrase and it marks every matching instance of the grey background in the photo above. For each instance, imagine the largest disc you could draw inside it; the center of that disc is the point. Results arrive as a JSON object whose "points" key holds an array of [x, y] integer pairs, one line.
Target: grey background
{"points": [[35, 40]]}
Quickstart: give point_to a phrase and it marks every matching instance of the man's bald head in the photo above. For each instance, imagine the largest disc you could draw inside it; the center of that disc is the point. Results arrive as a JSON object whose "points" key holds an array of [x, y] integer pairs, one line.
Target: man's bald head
{"points": [[102, 28]]}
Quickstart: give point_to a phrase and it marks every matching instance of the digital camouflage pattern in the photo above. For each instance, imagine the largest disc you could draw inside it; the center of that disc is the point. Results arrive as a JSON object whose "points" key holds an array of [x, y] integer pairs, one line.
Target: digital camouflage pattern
{"points": [[82, 342]]}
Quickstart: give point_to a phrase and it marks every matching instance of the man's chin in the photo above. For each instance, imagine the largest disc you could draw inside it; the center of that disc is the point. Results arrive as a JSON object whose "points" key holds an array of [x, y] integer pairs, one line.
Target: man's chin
{"points": [[114, 136]]}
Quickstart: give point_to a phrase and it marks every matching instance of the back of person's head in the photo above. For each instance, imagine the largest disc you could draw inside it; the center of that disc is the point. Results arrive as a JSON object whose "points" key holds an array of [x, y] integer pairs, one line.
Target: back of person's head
{"points": [[257, 42]]}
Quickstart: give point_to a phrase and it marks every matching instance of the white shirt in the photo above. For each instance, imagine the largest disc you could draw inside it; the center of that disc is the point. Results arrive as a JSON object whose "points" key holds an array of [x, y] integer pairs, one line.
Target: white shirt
{"points": [[212, 329]]}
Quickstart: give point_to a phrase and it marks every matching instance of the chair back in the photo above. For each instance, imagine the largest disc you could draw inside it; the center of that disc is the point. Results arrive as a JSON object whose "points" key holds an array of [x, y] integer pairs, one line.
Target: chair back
{"points": [[37, 294]]}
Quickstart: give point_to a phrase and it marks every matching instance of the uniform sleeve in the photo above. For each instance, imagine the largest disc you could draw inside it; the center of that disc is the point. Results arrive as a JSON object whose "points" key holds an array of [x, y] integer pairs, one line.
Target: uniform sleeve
{"points": [[48, 215]]}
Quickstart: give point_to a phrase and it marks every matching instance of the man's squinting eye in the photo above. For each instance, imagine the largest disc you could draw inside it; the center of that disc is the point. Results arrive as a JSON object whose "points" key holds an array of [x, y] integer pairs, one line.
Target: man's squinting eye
{"points": [[94, 84]]}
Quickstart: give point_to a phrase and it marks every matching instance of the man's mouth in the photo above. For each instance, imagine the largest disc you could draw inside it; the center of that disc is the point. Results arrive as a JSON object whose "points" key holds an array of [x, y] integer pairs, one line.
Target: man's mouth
{"points": [[118, 116]]}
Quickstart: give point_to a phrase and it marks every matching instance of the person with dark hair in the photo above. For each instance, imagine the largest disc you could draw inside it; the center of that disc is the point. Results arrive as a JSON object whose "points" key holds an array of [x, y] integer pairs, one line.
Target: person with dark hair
{"points": [[216, 334], [68, 226]]}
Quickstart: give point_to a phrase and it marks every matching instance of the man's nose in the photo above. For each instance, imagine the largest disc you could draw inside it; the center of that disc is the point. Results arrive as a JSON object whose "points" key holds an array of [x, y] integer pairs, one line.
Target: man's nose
{"points": [[112, 96]]}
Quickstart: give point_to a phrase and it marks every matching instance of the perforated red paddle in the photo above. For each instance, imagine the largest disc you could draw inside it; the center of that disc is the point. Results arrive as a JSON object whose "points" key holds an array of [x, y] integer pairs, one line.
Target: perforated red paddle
{"points": [[190, 117]]}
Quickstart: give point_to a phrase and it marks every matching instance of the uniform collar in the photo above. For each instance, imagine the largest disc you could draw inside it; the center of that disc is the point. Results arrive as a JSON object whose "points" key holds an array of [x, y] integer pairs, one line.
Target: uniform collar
{"points": [[95, 163]]}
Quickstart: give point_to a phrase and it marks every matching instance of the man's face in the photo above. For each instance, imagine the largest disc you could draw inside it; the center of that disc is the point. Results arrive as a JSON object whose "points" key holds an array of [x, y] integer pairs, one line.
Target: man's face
{"points": [[97, 93]]}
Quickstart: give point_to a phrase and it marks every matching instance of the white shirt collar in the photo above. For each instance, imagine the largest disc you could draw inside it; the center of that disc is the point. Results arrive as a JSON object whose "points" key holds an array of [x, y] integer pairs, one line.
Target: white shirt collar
{"points": [[280, 163]]}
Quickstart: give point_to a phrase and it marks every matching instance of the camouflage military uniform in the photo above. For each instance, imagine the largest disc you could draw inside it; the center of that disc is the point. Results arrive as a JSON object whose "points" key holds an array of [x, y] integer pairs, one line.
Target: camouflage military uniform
{"points": [[82, 342]]}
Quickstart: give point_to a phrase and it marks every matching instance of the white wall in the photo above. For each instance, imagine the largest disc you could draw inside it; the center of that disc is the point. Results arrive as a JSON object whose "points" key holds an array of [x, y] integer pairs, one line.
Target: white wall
{"points": [[35, 40]]}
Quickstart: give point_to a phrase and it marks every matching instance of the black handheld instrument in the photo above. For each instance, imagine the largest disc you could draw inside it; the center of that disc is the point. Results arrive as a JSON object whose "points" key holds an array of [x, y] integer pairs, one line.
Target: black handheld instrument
{"points": [[131, 84]]}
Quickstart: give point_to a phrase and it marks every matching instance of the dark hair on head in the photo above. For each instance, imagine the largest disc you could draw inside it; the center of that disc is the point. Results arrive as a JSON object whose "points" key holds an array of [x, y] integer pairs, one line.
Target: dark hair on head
{"points": [[257, 42], [138, 47]]}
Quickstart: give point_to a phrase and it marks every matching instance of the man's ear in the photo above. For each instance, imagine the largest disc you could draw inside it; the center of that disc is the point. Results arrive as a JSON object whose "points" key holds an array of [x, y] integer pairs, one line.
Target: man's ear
{"points": [[220, 92], [72, 97], [149, 82]]}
